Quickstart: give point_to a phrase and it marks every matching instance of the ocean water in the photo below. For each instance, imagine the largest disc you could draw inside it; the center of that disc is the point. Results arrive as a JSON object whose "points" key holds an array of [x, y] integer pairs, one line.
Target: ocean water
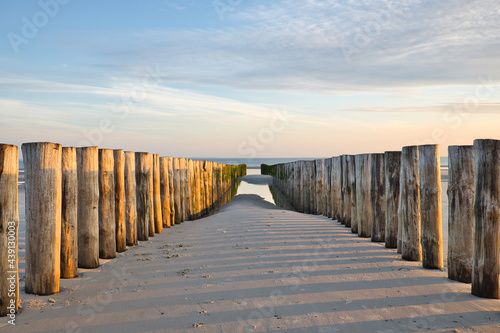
{"points": [[253, 163]]}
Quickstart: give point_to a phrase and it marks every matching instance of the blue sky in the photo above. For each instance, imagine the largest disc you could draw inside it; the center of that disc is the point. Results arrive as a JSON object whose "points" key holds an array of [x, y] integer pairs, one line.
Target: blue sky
{"points": [[243, 78]]}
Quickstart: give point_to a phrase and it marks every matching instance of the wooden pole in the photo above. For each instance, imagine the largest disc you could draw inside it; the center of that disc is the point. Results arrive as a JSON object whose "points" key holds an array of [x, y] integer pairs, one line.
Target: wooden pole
{"points": [[107, 224], [9, 227], [409, 205], [120, 226], [337, 187], [327, 195], [143, 195], [304, 187], [430, 206], [392, 167], [312, 186], [460, 212], [203, 193], [208, 186], [187, 190], [165, 192], [377, 197], [363, 195], [69, 214], [486, 237], [346, 190], [318, 165], [354, 207], [299, 203], [130, 199], [177, 191], [42, 164], [199, 189], [171, 185], [151, 223], [158, 217], [87, 159], [192, 190]]}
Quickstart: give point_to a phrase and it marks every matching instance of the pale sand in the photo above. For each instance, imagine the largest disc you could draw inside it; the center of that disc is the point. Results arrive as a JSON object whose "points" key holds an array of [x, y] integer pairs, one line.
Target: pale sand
{"points": [[253, 268]]}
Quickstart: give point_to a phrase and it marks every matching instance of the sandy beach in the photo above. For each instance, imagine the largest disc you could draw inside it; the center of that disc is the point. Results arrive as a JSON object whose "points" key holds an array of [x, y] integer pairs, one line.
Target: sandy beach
{"points": [[253, 267]]}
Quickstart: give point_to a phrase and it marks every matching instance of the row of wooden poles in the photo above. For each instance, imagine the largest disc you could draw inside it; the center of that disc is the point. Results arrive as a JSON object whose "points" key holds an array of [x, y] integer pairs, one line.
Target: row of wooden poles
{"points": [[395, 198], [87, 203]]}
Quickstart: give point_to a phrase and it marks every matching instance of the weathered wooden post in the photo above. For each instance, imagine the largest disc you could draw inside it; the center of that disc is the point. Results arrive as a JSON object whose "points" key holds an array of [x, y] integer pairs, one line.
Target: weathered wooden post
{"points": [[377, 197], [311, 167], [486, 236], [392, 167], [87, 159], [69, 214], [164, 192], [460, 212], [346, 190], [177, 191], [430, 206], [130, 199], [203, 192], [143, 195], [327, 183], [409, 205], [152, 228], [199, 189], [171, 185], [304, 187], [120, 226], [192, 186], [354, 207], [363, 195], [42, 165], [208, 186], [9, 226], [186, 195], [107, 224], [337, 187], [157, 195], [318, 165]]}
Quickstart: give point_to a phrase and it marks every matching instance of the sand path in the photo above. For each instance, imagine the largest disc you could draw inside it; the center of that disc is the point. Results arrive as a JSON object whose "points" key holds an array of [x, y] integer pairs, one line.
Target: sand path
{"points": [[254, 268]]}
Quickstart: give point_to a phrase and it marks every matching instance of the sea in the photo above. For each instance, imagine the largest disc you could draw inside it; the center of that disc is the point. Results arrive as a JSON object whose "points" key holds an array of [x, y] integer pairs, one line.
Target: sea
{"points": [[252, 163]]}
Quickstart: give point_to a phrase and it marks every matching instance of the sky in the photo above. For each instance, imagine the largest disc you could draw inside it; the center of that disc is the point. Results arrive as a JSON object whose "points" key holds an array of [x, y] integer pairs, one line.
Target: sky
{"points": [[250, 78]]}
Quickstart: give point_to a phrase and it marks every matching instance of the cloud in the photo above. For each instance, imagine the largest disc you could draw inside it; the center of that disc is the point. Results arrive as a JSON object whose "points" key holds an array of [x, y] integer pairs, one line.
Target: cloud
{"points": [[325, 46]]}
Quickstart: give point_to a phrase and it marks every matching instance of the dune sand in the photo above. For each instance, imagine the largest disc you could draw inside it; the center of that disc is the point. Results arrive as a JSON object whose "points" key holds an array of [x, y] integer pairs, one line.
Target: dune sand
{"points": [[254, 267]]}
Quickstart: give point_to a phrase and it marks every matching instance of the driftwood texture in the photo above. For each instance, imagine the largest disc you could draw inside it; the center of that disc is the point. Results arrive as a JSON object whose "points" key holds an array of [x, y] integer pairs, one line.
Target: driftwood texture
{"points": [[143, 172], [171, 184], [409, 205], [158, 218], [377, 197], [149, 161], [42, 164], [87, 159], [460, 212], [107, 224], [165, 192], [9, 227], [392, 167], [486, 241], [363, 203], [120, 226], [337, 187], [69, 214], [354, 208], [346, 190], [430, 206], [130, 199]]}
